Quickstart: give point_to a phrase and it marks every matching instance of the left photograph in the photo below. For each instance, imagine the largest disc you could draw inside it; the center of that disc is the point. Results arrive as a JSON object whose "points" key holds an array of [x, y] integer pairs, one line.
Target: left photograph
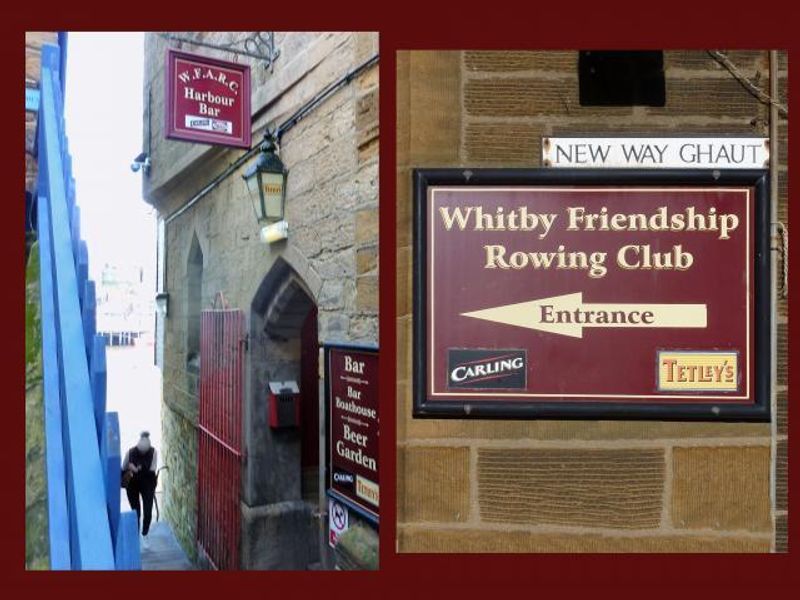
{"points": [[201, 304]]}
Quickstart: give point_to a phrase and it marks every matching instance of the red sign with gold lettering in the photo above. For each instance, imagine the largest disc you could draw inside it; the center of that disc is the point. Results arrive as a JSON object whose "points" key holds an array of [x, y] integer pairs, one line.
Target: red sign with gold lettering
{"points": [[353, 426], [207, 100], [594, 296]]}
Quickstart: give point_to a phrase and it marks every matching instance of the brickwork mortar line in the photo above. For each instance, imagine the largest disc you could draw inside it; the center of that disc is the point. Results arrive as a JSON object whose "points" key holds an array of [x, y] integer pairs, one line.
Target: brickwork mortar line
{"points": [[462, 107], [474, 500], [584, 444], [585, 530], [611, 120], [666, 509], [670, 74]]}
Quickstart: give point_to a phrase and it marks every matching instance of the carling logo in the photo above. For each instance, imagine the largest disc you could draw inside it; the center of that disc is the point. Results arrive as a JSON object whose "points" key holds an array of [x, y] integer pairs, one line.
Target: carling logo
{"points": [[343, 478], [486, 369]]}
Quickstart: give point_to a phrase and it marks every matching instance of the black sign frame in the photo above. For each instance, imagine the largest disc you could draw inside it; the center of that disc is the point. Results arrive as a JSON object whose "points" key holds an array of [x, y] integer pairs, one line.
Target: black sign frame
{"points": [[467, 408], [371, 516]]}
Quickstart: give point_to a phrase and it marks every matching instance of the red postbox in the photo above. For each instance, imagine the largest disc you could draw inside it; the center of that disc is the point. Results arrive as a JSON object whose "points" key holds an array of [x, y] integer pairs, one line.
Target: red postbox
{"points": [[283, 404]]}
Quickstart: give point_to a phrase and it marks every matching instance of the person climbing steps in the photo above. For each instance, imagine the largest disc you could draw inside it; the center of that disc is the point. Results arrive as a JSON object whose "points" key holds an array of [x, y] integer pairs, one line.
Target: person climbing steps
{"points": [[139, 479]]}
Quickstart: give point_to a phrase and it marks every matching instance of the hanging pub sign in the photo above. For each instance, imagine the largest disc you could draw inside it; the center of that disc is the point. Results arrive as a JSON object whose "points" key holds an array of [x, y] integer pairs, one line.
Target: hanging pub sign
{"points": [[351, 401], [207, 100], [591, 294]]}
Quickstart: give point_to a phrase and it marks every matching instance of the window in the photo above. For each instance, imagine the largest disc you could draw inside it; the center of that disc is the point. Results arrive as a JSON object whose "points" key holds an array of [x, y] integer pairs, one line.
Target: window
{"points": [[193, 305], [621, 78]]}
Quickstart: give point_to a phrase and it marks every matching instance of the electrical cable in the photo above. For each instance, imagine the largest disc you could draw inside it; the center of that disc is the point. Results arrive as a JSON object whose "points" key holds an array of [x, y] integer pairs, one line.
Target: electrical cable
{"points": [[756, 91]]}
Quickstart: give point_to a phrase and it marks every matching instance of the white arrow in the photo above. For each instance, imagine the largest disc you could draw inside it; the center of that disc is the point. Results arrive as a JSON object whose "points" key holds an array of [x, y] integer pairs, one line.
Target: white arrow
{"points": [[568, 315]]}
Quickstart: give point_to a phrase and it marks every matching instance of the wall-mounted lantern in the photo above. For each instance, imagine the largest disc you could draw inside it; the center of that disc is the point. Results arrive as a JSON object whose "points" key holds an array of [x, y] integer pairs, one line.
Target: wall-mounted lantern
{"points": [[162, 303], [266, 183]]}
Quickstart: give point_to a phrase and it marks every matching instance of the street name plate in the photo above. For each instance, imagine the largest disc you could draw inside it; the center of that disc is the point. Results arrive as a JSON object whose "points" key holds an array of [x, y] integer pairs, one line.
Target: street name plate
{"points": [[554, 294], [656, 152]]}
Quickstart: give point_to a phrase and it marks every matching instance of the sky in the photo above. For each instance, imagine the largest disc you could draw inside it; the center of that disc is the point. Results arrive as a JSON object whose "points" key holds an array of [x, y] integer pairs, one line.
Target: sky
{"points": [[104, 117]]}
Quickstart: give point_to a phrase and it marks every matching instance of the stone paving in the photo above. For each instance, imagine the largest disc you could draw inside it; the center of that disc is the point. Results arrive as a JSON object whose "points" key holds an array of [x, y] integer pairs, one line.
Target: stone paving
{"points": [[162, 551]]}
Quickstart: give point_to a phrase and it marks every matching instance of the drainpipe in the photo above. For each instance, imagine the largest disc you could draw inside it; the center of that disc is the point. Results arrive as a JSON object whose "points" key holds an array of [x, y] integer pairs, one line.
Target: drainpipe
{"points": [[774, 243]]}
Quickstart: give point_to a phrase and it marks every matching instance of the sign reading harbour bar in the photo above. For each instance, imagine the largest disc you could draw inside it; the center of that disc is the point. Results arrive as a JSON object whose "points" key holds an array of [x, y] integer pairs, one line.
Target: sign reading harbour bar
{"points": [[353, 426], [590, 296], [207, 100]]}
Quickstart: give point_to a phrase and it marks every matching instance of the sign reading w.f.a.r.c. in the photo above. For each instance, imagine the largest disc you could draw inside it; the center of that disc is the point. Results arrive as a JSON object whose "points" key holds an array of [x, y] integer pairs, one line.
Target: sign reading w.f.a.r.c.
{"points": [[591, 294], [207, 100]]}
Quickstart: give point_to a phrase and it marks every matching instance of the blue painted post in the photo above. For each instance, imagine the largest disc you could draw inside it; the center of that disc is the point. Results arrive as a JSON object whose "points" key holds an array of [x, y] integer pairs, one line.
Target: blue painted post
{"points": [[65, 158], [92, 548], [41, 179], [110, 453], [83, 269], [88, 314], [127, 552], [99, 379], [75, 232], [67, 166], [62, 140], [71, 196], [58, 518]]}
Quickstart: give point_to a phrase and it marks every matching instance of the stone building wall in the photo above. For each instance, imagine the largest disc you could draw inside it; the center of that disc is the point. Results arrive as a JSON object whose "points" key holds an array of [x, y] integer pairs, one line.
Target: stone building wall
{"points": [[37, 551], [590, 486], [33, 66], [332, 201]]}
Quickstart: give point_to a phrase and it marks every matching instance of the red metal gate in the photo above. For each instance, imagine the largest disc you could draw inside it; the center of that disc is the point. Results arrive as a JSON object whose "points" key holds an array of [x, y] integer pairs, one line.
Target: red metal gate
{"points": [[220, 436]]}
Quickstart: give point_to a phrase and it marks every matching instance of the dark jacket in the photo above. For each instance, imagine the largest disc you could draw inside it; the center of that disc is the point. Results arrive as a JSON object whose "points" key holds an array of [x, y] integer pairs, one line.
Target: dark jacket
{"points": [[146, 475]]}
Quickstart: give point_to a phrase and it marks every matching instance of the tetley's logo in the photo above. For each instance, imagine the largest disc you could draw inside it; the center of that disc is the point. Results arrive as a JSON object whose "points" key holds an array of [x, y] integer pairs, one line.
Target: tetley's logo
{"points": [[486, 369]]}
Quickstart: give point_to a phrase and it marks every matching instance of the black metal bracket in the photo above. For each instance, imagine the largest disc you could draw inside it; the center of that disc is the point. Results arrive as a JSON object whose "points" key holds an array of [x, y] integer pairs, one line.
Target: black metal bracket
{"points": [[258, 44]]}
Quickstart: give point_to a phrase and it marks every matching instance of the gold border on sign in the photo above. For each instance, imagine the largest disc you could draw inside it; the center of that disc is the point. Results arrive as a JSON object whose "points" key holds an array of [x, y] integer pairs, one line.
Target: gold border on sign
{"points": [[431, 384]]}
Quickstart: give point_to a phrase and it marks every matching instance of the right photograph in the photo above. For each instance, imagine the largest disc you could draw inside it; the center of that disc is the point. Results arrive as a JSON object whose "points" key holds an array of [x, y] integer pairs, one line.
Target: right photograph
{"points": [[591, 303]]}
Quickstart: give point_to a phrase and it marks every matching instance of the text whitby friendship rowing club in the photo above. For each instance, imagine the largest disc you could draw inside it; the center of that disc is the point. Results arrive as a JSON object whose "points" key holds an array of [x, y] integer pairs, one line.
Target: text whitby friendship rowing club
{"points": [[577, 218]]}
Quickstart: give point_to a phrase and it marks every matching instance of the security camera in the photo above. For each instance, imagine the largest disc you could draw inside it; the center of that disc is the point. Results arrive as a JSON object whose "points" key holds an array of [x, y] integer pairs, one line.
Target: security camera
{"points": [[143, 160]]}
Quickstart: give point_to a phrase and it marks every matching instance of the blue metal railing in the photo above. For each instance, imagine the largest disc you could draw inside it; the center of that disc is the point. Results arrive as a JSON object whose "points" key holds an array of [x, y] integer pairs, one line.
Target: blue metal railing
{"points": [[82, 455]]}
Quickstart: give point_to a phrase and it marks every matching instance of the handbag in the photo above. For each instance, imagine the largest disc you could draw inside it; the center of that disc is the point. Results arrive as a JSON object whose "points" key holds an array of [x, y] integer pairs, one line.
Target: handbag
{"points": [[127, 475]]}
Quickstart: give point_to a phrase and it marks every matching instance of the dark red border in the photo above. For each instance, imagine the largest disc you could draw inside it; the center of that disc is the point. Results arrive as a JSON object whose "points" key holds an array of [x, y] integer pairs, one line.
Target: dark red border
{"points": [[201, 137], [625, 24], [687, 396]]}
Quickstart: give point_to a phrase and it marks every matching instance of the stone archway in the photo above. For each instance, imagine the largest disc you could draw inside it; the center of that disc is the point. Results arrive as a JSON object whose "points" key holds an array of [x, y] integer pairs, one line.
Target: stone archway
{"points": [[280, 529]]}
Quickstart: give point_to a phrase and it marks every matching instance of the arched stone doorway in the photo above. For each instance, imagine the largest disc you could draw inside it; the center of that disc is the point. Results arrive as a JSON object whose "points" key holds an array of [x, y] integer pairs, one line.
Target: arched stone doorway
{"points": [[280, 528]]}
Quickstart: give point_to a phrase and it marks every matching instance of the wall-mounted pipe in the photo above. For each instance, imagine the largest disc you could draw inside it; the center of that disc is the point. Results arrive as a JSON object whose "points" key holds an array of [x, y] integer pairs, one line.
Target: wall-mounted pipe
{"points": [[773, 185]]}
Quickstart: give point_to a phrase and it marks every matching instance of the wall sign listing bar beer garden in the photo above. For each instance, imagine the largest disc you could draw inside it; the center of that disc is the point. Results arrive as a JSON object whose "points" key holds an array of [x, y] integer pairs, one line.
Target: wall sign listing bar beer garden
{"points": [[591, 294], [207, 100], [353, 425]]}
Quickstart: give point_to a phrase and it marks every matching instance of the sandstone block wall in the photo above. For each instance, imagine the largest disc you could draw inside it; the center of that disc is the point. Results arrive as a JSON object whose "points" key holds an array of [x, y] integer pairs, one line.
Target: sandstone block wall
{"points": [[574, 486], [33, 67], [332, 203]]}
